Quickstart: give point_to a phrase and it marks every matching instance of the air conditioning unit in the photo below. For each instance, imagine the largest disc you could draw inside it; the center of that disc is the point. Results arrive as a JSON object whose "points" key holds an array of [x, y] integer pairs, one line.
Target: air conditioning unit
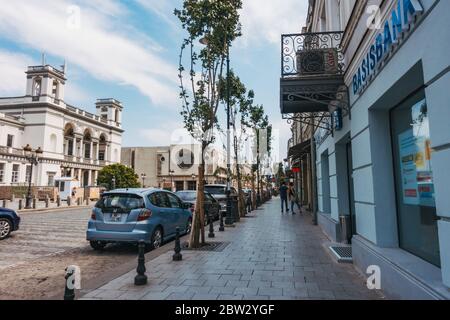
{"points": [[317, 61]]}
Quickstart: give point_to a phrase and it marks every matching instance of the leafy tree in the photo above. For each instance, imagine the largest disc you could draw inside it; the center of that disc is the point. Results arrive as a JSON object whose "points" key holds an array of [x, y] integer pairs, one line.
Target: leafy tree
{"points": [[125, 177], [216, 23]]}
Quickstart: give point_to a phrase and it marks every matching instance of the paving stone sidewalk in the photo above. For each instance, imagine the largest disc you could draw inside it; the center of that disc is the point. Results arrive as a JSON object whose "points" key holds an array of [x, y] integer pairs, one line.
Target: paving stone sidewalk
{"points": [[269, 256]]}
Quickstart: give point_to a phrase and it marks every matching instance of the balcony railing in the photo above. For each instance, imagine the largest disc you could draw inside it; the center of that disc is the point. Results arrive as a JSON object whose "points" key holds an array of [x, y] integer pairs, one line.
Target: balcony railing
{"points": [[294, 45]]}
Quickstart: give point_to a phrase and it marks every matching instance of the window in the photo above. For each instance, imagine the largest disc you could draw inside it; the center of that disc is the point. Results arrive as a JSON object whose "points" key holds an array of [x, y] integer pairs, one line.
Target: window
{"points": [[15, 173], [101, 155], [10, 141], [87, 150], [179, 185], [159, 199], [2, 172], [27, 174], [120, 202], [416, 207], [55, 89], [37, 88], [174, 201], [192, 185], [51, 178], [70, 147]]}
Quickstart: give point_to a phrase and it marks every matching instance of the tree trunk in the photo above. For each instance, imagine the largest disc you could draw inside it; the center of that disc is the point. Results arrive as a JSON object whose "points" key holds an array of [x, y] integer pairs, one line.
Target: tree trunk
{"points": [[198, 221], [253, 191], [241, 204]]}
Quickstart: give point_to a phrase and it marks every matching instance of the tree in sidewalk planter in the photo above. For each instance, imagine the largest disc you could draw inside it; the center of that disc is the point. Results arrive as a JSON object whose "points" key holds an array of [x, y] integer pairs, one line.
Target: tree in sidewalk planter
{"points": [[216, 23], [125, 177], [240, 101], [258, 121]]}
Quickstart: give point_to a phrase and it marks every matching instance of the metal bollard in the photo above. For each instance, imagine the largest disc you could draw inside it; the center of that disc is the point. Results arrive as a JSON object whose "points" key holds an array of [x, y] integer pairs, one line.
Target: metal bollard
{"points": [[47, 201], [69, 293], [20, 204], [69, 201], [78, 201], [177, 256], [34, 203], [211, 227], [222, 227], [141, 278], [58, 201], [87, 201], [4, 203], [13, 197]]}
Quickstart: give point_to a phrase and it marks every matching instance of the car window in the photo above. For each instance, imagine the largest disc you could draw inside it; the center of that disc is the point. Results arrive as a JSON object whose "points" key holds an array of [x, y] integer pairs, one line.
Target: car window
{"points": [[124, 202], [215, 189], [159, 199], [174, 201], [209, 198], [187, 196]]}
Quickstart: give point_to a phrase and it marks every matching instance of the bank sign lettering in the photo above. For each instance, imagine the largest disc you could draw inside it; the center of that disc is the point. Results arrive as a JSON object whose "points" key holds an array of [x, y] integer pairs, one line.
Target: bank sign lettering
{"points": [[400, 20]]}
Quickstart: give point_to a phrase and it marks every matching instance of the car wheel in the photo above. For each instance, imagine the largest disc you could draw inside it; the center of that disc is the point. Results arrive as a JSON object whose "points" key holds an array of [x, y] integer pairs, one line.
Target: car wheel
{"points": [[98, 245], [157, 238], [5, 228], [189, 226]]}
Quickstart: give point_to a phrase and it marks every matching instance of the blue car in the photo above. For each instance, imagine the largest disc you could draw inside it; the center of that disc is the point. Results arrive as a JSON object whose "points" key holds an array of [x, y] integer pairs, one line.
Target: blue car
{"points": [[9, 222], [131, 215]]}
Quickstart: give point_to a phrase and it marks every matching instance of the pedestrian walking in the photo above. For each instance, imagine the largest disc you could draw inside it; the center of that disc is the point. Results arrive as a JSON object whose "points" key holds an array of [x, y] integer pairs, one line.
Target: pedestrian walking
{"points": [[293, 198], [284, 197]]}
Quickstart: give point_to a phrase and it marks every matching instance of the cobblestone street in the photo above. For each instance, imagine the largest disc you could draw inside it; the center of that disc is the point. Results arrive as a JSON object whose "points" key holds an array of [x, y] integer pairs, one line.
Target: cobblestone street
{"points": [[269, 256]]}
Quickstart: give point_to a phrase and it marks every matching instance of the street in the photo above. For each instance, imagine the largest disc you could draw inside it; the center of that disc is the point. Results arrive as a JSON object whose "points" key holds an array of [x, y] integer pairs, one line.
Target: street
{"points": [[33, 259]]}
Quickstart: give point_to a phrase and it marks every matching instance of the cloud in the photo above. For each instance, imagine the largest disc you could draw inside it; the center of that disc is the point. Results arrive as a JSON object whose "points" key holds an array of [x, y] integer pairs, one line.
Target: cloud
{"points": [[13, 66], [91, 39], [163, 9], [264, 23]]}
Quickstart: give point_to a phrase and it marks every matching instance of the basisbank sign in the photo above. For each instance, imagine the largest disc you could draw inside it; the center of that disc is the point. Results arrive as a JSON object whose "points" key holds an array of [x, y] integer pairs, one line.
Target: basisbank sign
{"points": [[399, 21]]}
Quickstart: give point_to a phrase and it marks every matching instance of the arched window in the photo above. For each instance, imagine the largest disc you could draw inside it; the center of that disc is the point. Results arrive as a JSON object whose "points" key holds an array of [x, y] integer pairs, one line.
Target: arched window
{"points": [[87, 144], [69, 139], [55, 88], [102, 148]]}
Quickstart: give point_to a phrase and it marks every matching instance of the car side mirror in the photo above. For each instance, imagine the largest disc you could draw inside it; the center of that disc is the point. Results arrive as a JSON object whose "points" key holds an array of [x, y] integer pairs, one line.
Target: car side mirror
{"points": [[186, 205]]}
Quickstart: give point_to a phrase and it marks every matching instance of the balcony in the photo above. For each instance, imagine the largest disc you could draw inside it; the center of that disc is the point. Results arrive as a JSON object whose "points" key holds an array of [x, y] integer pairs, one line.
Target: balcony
{"points": [[312, 77]]}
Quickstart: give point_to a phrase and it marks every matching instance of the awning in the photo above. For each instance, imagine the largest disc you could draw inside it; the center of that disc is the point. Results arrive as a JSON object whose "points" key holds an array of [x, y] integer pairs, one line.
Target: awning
{"points": [[300, 149]]}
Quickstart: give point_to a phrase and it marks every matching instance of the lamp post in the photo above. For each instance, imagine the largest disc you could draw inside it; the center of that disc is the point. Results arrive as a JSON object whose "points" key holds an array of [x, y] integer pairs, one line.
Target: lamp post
{"points": [[193, 178], [143, 176], [171, 172], [113, 183], [32, 157]]}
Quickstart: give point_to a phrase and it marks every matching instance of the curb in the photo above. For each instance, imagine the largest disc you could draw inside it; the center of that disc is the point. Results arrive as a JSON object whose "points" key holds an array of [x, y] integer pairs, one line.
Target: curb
{"points": [[45, 210]]}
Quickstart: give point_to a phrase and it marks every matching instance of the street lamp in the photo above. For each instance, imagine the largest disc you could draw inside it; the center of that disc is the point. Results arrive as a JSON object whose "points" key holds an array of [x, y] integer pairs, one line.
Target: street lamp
{"points": [[143, 176], [32, 157], [171, 172]]}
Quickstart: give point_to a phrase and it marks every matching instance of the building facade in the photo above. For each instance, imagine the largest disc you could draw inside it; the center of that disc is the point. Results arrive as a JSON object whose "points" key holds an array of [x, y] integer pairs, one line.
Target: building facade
{"points": [[75, 143], [174, 167], [380, 141]]}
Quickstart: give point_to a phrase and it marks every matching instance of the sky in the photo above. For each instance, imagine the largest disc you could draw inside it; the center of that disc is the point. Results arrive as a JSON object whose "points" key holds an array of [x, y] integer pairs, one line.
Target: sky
{"points": [[128, 50]]}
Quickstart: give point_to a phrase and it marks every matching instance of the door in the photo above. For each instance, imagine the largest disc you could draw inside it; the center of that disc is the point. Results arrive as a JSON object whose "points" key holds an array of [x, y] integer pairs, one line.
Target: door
{"points": [[177, 217], [164, 212], [351, 192]]}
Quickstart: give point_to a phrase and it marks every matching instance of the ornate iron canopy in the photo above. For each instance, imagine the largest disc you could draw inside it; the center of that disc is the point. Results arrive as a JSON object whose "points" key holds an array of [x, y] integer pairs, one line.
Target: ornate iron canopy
{"points": [[312, 78]]}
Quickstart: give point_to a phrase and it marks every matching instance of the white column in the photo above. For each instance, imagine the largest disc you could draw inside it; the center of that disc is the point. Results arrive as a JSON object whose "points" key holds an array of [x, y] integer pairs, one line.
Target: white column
{"points": [[89, 182]]}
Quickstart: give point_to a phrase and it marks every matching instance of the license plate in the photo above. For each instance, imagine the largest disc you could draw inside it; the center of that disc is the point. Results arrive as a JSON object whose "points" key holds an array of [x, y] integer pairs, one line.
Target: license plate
{"points": [[116, 217]]}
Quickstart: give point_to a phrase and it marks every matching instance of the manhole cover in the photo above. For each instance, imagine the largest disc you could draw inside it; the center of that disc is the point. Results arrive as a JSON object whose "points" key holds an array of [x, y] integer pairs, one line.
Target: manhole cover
{"points": [[210, 246], [343, 254]]}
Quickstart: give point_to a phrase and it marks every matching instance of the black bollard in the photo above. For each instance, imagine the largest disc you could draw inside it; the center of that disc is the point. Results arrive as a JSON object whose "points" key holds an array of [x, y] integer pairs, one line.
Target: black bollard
{"points": [[211, 227], [69, 293], [20, 204], [58, 201], [141, 278], [177, 256], [222, 227], [34, 203]]}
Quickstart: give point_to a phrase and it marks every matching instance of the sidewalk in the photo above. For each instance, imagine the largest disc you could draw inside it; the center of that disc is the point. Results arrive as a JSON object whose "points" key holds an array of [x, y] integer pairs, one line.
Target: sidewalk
{"points": [[269, 256]]}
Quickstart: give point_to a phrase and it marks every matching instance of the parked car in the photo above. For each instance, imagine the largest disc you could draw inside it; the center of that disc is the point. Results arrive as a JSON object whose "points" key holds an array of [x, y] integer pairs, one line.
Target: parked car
{"points": [[212, 206], [219, 192], [131, 215], [9, 222]]}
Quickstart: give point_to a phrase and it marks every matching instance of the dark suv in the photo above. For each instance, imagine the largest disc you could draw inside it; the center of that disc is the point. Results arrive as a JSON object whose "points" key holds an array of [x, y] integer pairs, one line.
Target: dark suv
{"points": [[219, 192], [9, 222]]}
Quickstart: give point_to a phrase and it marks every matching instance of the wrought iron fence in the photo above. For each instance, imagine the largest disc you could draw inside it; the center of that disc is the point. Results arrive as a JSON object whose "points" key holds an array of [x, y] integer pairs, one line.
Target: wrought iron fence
{"points": [[293, 44]]}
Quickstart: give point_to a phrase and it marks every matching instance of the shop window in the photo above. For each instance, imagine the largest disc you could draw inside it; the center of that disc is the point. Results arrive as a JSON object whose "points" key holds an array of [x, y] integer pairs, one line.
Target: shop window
{"points": [[416, 208], [326, 200]]}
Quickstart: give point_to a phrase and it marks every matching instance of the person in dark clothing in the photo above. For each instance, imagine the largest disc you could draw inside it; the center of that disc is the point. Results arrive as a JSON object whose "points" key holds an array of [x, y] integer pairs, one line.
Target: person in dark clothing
{"points": [[284, 197]]}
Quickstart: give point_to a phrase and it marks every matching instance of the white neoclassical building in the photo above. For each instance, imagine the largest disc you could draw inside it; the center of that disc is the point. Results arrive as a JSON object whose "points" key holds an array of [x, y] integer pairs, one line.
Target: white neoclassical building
{"points": [[75, 143]]}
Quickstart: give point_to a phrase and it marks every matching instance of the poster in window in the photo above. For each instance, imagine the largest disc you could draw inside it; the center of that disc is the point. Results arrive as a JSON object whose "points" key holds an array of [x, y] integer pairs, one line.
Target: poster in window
{"points": [[415, 160]]}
